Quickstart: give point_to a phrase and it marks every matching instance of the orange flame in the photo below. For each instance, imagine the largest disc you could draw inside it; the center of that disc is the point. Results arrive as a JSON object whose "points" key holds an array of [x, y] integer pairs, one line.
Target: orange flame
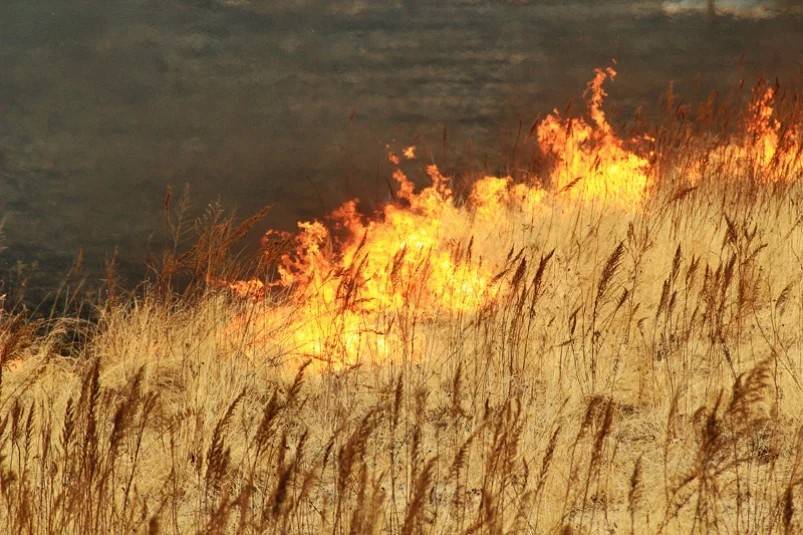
{"points": [[416, 254], [429, 255], [771, 150], [768, 144], [592, 162]]}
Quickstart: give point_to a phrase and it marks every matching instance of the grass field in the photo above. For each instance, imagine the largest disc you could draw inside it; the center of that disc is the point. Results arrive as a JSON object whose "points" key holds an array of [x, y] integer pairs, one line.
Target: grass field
{"points": [[617, 347]]}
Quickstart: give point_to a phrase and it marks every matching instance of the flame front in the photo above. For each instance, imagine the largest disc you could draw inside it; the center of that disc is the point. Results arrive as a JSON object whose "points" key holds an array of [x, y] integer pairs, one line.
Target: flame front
{"points": [[355, 284]]}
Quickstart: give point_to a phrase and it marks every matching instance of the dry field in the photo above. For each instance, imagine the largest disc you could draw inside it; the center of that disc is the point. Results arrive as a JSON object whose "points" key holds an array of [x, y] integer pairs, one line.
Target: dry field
{"points": [[616, 347]]}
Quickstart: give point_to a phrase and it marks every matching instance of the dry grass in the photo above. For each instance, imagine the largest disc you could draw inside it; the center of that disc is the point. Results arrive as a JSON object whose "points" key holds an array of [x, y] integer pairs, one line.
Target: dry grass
{"points": [[641, 373]]}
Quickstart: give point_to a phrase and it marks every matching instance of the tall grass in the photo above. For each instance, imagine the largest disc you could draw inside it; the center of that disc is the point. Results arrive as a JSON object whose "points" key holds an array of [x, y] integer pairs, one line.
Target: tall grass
{"points": [[641, 372]]}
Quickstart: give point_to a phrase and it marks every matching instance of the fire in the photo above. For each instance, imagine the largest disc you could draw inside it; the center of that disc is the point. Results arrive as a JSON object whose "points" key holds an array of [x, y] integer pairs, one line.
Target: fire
{"points": [[769, 149], [350, 281], [592, 163], [415, 254], [769, 144], [379, 259], [428, 255]]}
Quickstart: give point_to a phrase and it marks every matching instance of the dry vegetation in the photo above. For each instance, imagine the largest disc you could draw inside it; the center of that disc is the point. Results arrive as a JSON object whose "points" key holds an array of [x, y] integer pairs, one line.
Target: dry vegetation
{"points": [[636, 370]]}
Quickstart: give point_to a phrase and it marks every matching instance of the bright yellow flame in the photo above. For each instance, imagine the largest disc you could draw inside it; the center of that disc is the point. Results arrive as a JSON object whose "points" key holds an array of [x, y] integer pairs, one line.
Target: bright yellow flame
{"points": [[771, 150], [351, 282], [591, 161]]}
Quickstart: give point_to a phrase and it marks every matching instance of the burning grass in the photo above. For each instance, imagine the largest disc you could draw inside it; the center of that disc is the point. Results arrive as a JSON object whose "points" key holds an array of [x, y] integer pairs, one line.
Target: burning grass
{"points": [[617, 346]]}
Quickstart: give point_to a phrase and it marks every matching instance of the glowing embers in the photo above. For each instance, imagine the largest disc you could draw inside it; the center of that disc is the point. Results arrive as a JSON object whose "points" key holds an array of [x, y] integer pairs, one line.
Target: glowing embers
{"points": [[591, 162]]}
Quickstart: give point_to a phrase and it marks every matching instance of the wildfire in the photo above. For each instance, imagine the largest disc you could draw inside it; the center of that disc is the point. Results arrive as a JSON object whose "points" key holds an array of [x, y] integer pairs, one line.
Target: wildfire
{"points": [[351, 283], [770, 150], [416, 255], [591, 161]]}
